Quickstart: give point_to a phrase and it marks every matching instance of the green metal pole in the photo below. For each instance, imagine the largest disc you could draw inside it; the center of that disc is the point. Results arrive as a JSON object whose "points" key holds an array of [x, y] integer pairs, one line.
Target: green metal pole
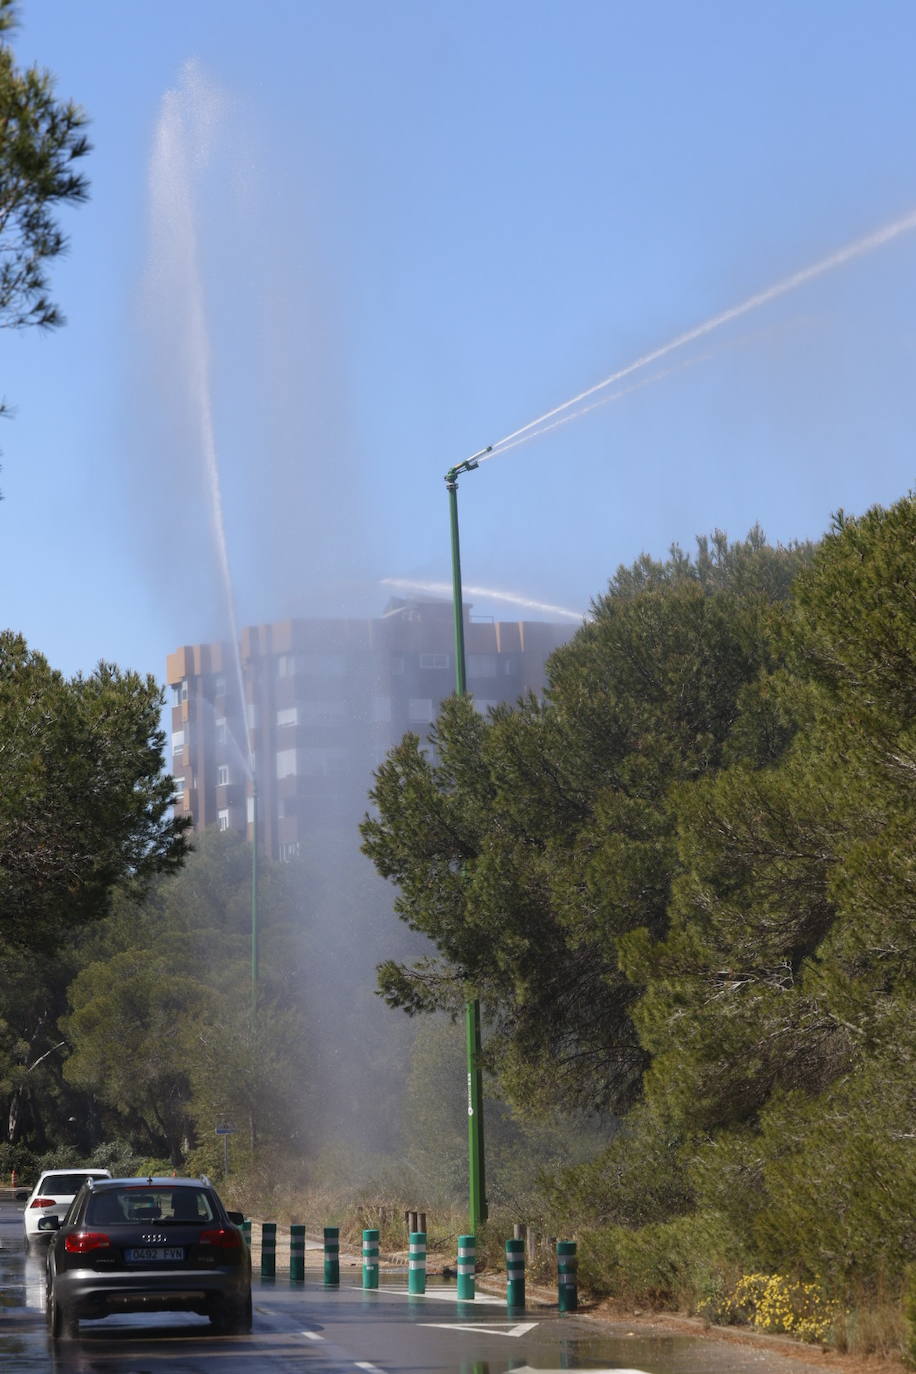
{"points": [[254, 900], [461, 687], [477, 1190]]}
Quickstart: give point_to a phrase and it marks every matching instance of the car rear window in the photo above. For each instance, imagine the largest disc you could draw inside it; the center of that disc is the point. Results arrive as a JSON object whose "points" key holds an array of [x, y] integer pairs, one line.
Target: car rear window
{"points": [[136, 1204], [64, 1184]]}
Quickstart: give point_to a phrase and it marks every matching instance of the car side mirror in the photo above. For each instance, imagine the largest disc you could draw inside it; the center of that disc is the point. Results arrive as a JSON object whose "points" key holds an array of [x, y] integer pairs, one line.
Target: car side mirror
{"points": [[49, 1223], [236, 1217]]}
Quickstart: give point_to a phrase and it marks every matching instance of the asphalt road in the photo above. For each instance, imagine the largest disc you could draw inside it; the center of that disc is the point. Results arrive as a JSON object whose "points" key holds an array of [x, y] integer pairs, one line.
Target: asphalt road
{"points": [[312, 1330]]}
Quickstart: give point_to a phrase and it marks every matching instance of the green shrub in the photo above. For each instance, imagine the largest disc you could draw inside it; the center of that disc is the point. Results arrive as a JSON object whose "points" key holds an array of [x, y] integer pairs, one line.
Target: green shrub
{"points": [[689, 1263]]}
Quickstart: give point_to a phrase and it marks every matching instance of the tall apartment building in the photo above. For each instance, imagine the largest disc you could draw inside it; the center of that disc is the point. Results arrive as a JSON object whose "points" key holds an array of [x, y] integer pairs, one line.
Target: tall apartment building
{"points": [[320, 703]]}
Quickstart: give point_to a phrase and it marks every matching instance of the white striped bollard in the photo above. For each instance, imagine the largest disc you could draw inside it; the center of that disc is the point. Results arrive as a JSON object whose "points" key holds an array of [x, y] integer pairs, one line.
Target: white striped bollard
{"points": [[269, 1250], [467, 1265], [515, 1274], [370, 1259], [297, 1254], [416, 1262], [331, 1255], [567, 1276]]}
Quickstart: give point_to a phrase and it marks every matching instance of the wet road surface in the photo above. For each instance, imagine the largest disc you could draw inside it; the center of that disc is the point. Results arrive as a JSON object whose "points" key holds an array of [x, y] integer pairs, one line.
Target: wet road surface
{"points": [[312, 1330]]}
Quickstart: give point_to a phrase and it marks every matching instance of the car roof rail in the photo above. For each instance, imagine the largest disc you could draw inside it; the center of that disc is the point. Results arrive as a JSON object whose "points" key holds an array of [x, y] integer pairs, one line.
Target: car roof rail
{"points": [[205, 1180]]}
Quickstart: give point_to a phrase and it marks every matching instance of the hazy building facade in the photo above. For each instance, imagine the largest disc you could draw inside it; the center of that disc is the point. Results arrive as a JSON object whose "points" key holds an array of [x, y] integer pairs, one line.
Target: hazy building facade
{"points": [[320, 703]]}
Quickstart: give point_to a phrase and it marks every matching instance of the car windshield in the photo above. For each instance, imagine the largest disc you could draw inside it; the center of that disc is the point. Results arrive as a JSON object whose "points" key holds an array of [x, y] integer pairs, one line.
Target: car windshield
{"points": [[64, 1184], [132, 1204]]}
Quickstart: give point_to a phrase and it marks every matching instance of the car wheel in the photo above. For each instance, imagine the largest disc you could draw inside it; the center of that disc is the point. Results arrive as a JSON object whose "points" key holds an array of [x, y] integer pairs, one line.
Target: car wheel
{"points": [[232, 1318], [62, 1321]]}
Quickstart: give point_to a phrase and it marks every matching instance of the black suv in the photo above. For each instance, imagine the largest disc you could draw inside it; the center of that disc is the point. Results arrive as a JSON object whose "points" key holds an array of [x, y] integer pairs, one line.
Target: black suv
{"points": [[147, 1245]]}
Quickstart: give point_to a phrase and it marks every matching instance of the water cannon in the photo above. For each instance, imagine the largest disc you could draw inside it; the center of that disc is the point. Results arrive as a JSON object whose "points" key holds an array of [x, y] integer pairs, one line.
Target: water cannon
{"points": [[469, 464]]}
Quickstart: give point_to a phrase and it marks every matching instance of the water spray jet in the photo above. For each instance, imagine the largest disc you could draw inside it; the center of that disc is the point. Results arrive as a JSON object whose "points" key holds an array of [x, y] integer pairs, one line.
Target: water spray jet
{"points": [[857, 249]]}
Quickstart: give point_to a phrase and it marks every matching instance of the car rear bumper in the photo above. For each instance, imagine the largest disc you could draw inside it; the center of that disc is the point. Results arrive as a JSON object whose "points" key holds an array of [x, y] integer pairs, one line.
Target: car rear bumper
{"points": [[90, 1293]]}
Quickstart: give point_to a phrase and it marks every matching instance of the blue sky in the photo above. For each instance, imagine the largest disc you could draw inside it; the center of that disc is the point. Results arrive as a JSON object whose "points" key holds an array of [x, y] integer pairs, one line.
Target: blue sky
{"points": [[420, 226]]}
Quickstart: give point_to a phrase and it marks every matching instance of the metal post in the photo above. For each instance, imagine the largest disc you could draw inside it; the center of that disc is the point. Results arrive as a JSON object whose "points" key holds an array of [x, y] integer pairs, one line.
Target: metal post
{"points": [[370, 1259], [467, 1265], [269, 1250], [567, 1276], [477, 1190], [331, 1255], [254, 894], [515, 1274], [246, 1232], [296, 1254], [416, 1262]]}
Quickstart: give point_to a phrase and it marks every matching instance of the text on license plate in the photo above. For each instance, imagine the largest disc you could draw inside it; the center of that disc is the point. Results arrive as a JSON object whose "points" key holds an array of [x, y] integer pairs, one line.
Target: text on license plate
{"points": [[153, 1252]]}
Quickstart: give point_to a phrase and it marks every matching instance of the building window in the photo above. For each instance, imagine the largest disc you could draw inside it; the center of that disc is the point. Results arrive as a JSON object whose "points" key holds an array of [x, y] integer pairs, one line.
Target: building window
{"points": [[178, 784], [289, 715], [249, 810], [222, 775], [222, 730], [219, 685], [289, 851], [482, 665], [397, 664], [251, 714], [286, 763], [180, 691], [420, 710], [222, 820], [177, 742], [508, 666], [434, 660]]}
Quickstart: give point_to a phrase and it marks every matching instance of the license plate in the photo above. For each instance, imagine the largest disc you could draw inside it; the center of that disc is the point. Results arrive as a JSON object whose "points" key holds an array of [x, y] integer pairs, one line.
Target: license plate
{"points": [[145, 1254]]}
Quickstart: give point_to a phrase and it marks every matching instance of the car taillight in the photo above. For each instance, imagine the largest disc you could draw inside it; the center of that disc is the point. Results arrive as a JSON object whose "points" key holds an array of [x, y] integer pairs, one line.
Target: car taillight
{"points": [[44, 1202], [78, 1242], [221, 1237]]}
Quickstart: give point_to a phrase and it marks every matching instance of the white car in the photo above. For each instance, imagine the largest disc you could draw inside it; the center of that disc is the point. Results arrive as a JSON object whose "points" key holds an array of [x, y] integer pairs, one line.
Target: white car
{"points": [[52, 1195]]}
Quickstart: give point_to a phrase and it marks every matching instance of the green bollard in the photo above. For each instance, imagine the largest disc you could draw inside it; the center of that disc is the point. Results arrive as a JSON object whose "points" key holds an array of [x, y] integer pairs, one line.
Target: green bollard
{"points": [[467, 1265], [331, 1255], [246, 1232], [269, 1250], [515, 1274], [296, 1254], [370, 1259], [567, 1277], [416, 1262]]}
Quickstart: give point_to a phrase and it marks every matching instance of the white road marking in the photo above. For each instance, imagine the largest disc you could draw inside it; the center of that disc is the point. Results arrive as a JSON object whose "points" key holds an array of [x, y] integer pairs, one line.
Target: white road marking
{"points": [[312, 1336], [369, 1368], [489, 1328]]}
